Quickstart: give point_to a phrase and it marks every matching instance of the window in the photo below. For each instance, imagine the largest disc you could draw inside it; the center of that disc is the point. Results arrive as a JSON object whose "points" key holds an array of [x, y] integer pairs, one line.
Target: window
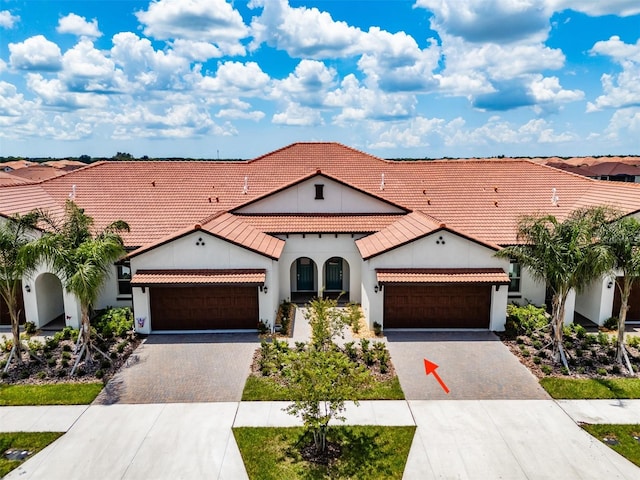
{"points": [[124, 278], [319, 192], [514, 276]]}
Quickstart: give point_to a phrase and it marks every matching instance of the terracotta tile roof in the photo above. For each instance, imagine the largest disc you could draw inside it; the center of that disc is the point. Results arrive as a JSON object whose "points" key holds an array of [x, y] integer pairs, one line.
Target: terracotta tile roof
{"points": [[230, 228], [483, 198], [38, 173], [199, 277], [442, 275], [17, 164], [11, 179], [311, 223]]}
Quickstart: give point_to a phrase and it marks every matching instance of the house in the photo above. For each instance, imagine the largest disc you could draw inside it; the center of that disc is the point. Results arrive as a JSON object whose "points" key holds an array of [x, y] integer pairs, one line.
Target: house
{"points": [[218, 245]]}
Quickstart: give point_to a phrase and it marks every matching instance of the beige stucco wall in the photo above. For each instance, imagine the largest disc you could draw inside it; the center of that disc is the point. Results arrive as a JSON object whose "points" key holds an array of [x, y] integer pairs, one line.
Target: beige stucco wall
{"points": [[183, 253], [338, 198], [455, 252]]}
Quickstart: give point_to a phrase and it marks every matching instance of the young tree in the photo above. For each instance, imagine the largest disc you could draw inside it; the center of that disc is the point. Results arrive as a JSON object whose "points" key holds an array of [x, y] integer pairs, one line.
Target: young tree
{"points": [[564, 256], [82, 259], [321, 381], [327, 321], [14, 236], [622, 237]]}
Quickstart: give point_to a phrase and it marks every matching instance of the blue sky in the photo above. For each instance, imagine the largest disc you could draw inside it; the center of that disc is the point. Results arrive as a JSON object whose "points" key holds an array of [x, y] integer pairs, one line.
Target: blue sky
{"points": [[420, 78]]}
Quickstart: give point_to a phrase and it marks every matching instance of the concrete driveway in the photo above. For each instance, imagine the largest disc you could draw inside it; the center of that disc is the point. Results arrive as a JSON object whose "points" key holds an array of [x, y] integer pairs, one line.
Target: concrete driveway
{"points": [[473, 365], [183, 369]]}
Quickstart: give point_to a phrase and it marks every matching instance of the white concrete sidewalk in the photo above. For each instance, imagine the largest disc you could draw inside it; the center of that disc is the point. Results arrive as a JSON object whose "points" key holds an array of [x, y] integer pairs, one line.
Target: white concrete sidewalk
{"points": [[465, 439]]}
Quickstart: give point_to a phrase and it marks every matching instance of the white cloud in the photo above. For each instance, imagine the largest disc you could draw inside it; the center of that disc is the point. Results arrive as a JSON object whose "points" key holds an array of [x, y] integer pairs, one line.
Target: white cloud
{"points": [[296, 115], [35, 53], [77, 25], [623, 8], [548, 90], [308, 84], [410, 134], [177, 121], [54, 93], [624, 124], [87, 69], [236, 78], [622, 89], [499, 21], [214, 21], [7, 20]]}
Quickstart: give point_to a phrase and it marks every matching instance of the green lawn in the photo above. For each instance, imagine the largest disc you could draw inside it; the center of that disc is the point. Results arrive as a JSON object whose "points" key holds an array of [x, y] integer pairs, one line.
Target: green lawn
{"points": [[30, 441], [628, 437], [370, 452], [568, 388], [50, 394], [266, 389]]}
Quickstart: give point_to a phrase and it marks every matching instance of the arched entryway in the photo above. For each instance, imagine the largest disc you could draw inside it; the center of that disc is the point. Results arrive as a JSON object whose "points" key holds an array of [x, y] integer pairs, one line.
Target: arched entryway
{"points": [[336, 278], [49, 299], [304, 273]]}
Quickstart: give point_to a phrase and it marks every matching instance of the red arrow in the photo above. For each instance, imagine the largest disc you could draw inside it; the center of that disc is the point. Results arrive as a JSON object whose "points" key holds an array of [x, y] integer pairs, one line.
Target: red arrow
{"points": [[430, 367]]}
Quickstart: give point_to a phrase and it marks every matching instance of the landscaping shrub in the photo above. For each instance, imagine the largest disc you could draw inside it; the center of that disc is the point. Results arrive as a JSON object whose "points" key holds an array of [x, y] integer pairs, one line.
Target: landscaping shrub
{"points": [[114, 322], [525, 320], [611, 323], [30, 328]]}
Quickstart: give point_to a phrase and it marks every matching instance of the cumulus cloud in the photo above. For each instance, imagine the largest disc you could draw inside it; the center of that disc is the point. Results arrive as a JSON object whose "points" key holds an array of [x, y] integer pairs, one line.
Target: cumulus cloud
{"points": [[214, 21], [77, 25], [622, 89], [54, 93], [308, 84], [498, 21], [236, 78], [299, 116], [35, 53], [7, 20], [87, 69], [623, 8]]}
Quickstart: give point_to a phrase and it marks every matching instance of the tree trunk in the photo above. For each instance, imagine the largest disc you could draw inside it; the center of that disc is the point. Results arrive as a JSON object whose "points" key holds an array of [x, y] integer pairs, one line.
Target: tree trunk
{"points": [[86, 333], [14, 315], [625, 293], [557, 320]]}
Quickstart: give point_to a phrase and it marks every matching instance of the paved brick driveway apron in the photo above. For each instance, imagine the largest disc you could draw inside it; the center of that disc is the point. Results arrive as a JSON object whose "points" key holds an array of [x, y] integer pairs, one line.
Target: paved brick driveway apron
{"points": [[473, 365], [184, 368]]}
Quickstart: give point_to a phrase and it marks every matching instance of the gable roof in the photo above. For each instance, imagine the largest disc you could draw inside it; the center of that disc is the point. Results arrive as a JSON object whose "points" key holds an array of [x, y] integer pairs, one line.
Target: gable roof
{"points": [[319, 174], [407, 229], [230, 228], [159, 199]]}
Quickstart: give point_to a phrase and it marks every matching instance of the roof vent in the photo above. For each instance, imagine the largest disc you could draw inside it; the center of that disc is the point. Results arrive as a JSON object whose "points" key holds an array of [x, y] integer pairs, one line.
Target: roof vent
{"points": [[245, 188], [72, 195], [382, 182], [153, 183], [554, 197]]}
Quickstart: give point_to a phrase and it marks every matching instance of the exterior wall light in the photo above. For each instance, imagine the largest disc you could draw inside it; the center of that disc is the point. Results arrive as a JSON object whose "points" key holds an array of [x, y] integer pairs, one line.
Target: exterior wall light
{"points": [[609, 284], [27, 288], [376, 289]]}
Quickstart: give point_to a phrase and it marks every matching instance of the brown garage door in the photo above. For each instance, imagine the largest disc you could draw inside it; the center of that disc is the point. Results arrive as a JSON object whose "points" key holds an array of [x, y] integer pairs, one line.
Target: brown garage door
{"points": [[634, 303], [204, 308], [437, 306]]}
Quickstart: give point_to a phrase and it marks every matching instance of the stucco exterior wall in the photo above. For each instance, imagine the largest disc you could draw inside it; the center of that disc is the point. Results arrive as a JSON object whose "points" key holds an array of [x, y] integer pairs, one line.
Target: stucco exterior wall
{"points": [[320, 248], [48, 298], [455, 252], [596, 301], [183, 253], [338, 198], [531, 291], [109, 296]]}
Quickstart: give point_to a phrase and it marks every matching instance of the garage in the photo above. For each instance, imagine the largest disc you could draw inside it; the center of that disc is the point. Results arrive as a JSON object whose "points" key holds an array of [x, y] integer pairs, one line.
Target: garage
{"points": [[633, 314], [202, 299], [438, 298], [204, 308]]}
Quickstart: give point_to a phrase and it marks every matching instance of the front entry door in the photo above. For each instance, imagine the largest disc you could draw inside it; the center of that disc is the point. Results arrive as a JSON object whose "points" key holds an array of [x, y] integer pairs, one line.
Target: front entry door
{"points": [[304, 270], [334, 274]]}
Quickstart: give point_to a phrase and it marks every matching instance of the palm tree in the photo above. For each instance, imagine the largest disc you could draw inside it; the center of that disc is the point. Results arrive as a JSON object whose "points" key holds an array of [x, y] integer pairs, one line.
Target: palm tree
{"points": [[564, 256], [82, 260], [14, 236], [622, 237]]}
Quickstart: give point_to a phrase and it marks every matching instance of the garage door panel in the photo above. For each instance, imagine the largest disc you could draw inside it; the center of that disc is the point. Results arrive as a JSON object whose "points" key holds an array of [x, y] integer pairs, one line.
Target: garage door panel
{"points": [[437, 306], [633, 313], [204, 308]]}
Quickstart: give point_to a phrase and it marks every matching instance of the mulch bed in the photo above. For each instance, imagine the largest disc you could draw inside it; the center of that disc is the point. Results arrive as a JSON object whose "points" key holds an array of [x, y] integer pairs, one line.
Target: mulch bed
{"points": [[51, 361], [589, 355]]}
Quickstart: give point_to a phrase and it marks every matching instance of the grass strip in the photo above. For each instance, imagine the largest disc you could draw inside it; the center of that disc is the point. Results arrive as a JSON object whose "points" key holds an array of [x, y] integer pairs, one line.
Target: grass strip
{"points": [[33, 442], [268, 390], [595, 388], [624, 439], [371, 452], [50, 394]]}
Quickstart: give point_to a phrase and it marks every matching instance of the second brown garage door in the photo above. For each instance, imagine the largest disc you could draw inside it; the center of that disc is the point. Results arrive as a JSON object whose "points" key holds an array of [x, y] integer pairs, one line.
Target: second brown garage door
{"points": [[437, 306], [634, 303], [204, 308]]}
